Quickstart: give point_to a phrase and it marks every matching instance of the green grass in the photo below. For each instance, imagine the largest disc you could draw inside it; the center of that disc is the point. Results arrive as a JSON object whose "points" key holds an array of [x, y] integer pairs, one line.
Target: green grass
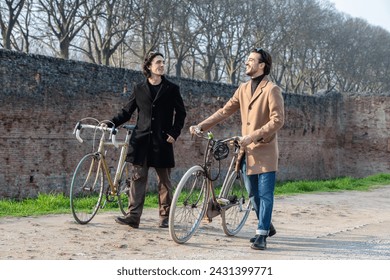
{"points": [[59, 204], [43, 204], [338, 184]]}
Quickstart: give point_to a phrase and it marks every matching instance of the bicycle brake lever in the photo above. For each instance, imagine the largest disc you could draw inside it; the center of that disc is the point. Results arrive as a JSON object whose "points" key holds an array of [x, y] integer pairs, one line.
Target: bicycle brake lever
{"points": [[113, 137], [77, 127]]}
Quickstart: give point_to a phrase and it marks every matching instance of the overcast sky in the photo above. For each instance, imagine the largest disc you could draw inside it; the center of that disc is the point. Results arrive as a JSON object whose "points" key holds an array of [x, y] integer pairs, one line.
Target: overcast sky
{"points": [[376, 12]]}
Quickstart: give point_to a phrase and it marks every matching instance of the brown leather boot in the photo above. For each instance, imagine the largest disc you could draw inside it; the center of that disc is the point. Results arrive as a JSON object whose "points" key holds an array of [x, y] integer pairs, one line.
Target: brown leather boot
{"points": [[128, 220]]}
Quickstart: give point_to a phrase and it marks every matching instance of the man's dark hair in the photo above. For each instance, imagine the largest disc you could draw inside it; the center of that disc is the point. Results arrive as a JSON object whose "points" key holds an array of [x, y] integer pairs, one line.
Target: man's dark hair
{"points": [[148, 61], [266, 58]]}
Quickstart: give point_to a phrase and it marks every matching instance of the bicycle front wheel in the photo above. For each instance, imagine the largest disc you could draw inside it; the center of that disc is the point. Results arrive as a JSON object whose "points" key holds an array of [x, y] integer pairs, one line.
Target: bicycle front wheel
{"points": [[86, 190], [235, 214], [124, 185], [189, 205]]}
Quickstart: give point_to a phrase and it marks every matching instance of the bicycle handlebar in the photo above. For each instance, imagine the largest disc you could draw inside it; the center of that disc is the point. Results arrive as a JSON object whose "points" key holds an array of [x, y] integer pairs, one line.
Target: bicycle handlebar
{"points": [[231, 139], [112, 131], [210, 136]]}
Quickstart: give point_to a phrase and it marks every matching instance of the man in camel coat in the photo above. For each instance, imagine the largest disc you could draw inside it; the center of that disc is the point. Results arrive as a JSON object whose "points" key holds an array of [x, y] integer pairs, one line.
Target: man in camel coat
{"points": [[261, 106]]}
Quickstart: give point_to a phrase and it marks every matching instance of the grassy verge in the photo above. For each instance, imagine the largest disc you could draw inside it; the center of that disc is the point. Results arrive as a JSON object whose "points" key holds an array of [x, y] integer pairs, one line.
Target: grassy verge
{"points": [[339, 184], [59, 204]]}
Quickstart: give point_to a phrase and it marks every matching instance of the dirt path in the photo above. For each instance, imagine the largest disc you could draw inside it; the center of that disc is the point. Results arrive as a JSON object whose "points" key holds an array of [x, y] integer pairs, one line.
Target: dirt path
{"points": [[344, 225]]}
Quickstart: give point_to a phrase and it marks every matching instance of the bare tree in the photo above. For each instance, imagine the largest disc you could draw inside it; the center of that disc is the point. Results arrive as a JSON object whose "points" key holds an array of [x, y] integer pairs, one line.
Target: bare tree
{"points": [[65, 19], [181, 32], [353, 63], [9, 20], [236, 39], [298, 44], [314, 47], [379, 61], [150, 26], [23, 27], [211, 17], [109, 23]]}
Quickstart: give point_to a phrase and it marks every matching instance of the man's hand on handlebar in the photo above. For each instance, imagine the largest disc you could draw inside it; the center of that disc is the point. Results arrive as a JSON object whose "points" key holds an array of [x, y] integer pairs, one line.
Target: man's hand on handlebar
{"points": [[195, 129], [245, 140], [103, 125]]}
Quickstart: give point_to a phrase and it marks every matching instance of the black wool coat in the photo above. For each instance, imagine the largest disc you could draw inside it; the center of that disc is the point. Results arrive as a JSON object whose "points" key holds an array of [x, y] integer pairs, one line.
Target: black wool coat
{"points": [[156, 119]]}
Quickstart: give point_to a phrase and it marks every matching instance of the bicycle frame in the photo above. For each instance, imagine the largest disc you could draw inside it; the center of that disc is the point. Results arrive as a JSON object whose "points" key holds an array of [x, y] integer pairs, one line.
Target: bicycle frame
{"points": [[207, 162], [102, 151]]}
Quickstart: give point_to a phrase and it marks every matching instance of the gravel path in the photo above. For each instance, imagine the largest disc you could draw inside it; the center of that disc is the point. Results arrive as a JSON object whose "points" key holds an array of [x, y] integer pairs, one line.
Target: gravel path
{"points": [[325, 226]]}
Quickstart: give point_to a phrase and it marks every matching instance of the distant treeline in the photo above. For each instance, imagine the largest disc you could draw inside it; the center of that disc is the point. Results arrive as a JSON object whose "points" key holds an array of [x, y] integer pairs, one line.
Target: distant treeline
{"points": [[315, 48]]}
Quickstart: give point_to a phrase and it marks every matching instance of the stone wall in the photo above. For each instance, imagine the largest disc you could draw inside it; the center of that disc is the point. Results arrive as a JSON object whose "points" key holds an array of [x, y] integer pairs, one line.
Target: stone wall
{"points": [[42, 98]]}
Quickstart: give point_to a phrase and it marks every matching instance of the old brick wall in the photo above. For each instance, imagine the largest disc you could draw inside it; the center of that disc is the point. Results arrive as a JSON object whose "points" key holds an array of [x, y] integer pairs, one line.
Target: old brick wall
{"points": [[366, 134], [42, 98]]}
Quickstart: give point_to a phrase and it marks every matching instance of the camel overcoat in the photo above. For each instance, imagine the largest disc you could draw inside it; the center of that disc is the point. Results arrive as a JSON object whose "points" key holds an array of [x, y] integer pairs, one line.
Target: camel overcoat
{"points": [[262, 115]]}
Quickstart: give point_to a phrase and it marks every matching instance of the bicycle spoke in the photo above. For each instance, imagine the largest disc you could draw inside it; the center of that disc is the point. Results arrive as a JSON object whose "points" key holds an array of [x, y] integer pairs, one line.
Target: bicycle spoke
{"points": [[188, 205], [236, 213], [124, 188], [86, 190]]}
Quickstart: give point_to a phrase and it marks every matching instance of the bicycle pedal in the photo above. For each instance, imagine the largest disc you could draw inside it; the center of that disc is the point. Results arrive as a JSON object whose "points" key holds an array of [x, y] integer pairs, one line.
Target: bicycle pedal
{"points": [[232, 198], [223, 201]]}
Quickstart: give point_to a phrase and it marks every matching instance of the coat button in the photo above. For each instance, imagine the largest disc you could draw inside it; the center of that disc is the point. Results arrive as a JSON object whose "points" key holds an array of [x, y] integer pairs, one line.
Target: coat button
{"points": [[248, 123]]}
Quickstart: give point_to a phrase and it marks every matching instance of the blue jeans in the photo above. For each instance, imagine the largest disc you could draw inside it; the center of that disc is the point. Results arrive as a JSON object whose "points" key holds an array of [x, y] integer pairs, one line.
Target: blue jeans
{"points": [[261, 188]]}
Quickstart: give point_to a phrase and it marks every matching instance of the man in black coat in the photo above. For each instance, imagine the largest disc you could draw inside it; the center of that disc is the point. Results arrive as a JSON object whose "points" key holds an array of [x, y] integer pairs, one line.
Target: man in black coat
{"points": [[160, 119]]}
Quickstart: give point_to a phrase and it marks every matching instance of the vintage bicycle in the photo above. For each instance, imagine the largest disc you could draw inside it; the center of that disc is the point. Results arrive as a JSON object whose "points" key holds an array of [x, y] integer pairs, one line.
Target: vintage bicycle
{"points": [[93, 177], [195, 197]]}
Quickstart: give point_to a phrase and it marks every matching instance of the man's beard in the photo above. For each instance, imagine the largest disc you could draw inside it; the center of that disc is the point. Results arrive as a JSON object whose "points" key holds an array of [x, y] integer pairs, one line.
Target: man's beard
{"points": [[249, 72]]}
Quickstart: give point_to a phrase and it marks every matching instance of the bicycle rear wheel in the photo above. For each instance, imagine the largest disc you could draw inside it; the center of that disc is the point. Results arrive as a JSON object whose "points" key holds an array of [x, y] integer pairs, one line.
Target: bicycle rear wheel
{"points": [[236, 213], [123, 188], [188, 205], [86, 190]]}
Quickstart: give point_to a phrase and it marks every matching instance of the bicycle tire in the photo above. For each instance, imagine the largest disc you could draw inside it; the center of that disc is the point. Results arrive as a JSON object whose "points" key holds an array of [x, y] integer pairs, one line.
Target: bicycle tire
{"points": [[86, 191], [188, 205], [123, 189], [236, 213]]}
